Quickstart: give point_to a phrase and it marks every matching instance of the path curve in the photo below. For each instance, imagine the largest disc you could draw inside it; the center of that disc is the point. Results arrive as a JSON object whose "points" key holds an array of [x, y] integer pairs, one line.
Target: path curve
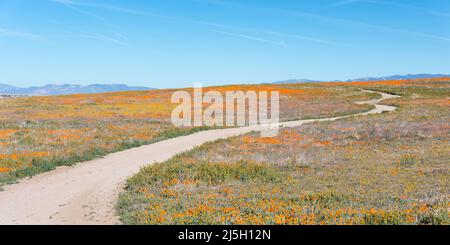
{"points": [[85, 194]]}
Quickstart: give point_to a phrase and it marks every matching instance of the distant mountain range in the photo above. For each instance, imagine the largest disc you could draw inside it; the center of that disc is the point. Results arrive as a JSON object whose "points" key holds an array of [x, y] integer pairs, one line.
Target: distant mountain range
{"points": [[62, 89], [369, 79]]}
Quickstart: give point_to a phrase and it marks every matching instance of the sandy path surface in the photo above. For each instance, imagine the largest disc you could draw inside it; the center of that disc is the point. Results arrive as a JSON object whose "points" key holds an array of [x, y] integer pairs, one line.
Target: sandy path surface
{"points": [[87, 192]]}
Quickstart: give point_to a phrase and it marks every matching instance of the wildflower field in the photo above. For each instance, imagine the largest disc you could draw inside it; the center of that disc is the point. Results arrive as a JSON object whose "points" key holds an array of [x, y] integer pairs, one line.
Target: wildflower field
{"points": [[38, 134], [391, 168]]}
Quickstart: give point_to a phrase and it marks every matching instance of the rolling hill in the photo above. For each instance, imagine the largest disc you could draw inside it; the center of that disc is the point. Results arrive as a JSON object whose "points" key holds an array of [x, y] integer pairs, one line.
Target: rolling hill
{"points": [[370, 79], [63, 89]]}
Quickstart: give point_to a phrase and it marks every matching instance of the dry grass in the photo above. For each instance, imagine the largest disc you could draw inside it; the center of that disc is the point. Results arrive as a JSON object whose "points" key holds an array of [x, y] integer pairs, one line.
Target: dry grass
{"points": [[380, 169]]}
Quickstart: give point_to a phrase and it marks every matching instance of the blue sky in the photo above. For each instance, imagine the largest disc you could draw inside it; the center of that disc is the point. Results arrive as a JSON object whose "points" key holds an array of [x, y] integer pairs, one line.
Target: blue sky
{"points": [[174, 43]]}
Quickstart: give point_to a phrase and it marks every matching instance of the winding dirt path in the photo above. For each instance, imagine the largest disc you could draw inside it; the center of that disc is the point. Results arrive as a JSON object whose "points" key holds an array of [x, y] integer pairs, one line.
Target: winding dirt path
{"points": [[87, 192]]}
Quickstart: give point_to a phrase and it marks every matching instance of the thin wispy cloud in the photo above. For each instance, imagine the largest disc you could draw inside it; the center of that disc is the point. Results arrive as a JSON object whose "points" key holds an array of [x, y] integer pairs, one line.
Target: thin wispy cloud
{"points": [[103, 39], [121, 36], [253, 38], [19, 34], [268, 32], [87, 13], [407, 32], [305, 38], [419, 34], [390, 3], [116, 38], [73, 5], [186, 20], [342, 3], [297, 13], [265, 10], [110, 8]]}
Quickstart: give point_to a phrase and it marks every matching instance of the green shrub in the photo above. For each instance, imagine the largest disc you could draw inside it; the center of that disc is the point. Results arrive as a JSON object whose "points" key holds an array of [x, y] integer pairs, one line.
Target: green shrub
{"points": [[408, 160], [205, 172]]}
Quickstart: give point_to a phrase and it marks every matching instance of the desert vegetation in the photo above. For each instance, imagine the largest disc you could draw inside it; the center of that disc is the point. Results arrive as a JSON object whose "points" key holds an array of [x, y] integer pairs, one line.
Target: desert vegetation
{"points": [[391, 168]]}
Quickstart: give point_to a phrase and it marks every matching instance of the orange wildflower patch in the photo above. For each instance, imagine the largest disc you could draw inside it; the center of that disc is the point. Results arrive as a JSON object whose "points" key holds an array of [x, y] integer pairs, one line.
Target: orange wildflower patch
{"points": [[261, 140], [322, 143], [5, 170], [169, 193], [291, 135], [17, 156], [7, 132]]}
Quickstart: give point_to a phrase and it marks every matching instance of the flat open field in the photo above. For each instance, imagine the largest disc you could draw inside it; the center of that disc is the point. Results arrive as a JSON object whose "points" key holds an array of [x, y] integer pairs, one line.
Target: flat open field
{"points": [[38, 134], [391, 168]]}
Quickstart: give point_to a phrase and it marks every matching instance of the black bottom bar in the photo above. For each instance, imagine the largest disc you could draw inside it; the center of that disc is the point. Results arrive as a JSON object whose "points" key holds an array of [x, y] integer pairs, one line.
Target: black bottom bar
{"points": [[226, 234]]}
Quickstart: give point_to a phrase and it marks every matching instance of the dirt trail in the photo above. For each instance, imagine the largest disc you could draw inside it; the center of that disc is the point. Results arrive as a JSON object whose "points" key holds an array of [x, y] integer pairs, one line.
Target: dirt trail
{"points": [[87, 192]]}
